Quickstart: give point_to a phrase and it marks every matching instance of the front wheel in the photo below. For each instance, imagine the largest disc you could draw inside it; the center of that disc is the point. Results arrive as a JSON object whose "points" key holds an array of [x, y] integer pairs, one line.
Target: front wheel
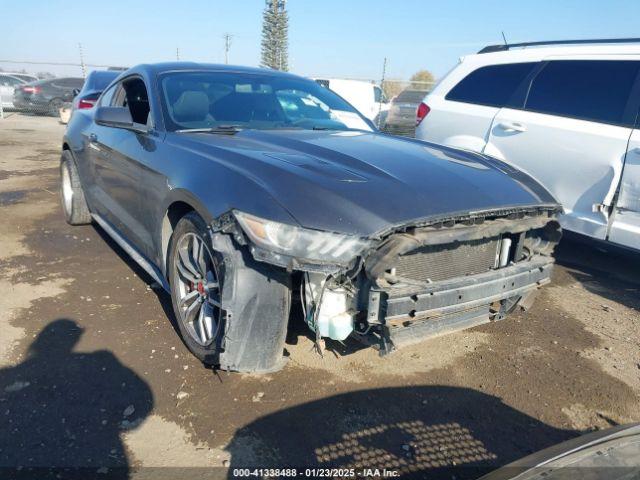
{"points": [[231, 311], [195, 286]]}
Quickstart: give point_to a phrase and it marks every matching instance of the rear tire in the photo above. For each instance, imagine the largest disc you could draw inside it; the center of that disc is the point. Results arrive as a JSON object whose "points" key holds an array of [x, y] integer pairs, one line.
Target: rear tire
{"points": [[245, 326], [74, 205]]}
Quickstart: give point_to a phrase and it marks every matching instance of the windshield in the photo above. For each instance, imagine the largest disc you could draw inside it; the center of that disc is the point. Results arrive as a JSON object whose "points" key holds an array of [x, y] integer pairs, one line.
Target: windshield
{"points": [[203, 100]]}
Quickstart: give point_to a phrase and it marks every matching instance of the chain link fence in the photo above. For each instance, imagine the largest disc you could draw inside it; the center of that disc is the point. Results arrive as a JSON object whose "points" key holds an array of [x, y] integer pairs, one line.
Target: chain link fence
{"points": [[49, 88]]}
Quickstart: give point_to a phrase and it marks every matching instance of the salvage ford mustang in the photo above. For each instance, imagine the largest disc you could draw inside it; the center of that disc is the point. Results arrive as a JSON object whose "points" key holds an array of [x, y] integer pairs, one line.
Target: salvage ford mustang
{"points": [[238, 189]]}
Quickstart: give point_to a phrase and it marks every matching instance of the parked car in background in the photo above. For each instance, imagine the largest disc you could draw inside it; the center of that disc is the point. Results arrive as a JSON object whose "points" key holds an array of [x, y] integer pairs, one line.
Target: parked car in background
{"points": [[94, 84], [367, 97], [46, 96], [234, 195], [26, 77], [564, 112], [8, 84], [401, 119]]}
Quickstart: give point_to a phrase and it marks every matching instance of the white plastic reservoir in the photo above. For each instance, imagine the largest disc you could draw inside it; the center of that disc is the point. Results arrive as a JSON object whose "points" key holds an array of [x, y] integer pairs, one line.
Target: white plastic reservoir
{"points": [[335, 318]]}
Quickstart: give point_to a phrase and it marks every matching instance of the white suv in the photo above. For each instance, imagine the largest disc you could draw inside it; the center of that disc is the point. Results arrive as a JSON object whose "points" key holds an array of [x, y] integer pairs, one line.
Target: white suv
{"points": [[566, 113]]}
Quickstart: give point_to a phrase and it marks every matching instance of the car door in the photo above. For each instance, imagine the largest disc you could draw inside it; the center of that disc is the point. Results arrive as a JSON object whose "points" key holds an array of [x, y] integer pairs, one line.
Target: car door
{"points": [[571, 135], [462, 117], [117, 156], [625, 220], [87, 157]]}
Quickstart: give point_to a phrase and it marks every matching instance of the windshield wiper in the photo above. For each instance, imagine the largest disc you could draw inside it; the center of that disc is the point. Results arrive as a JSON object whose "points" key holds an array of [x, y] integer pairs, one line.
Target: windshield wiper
{"points": [[220, 129]]}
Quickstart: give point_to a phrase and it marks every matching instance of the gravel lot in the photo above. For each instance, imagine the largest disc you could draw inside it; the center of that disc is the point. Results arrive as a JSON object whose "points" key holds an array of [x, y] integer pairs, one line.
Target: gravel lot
{"points": [[93, 374]]}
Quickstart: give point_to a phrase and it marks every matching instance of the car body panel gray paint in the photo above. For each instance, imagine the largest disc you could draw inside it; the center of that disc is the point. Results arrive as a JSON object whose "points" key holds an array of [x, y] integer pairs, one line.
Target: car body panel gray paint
{"points": [[351, 182], [384, 181]]}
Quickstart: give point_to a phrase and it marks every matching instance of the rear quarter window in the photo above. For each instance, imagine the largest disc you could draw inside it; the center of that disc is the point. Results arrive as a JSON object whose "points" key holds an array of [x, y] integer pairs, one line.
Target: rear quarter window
{"points": [[492, 85], [410, 96], [68, 83], [593, 90]]}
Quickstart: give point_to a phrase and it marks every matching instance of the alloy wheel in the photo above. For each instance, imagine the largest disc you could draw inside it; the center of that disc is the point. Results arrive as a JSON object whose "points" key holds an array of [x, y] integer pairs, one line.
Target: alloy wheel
{"points": [[198, 288]]}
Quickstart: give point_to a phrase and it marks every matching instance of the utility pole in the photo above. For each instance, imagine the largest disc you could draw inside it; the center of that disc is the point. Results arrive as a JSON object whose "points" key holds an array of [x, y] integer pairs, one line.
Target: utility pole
{"points": [[227, 46], [82, 65], [384, 72]]}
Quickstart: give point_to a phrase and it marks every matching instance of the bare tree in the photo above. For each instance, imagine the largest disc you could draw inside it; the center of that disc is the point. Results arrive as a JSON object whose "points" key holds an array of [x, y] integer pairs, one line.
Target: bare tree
{"points": [[422, 80]]}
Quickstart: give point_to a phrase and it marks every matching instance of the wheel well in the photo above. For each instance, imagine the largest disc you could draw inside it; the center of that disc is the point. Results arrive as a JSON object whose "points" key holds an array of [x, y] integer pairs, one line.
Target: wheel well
{"points": [[175, 212]]}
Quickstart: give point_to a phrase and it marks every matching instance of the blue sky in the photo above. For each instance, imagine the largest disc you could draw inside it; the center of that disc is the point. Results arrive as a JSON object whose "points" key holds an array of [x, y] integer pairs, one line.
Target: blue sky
{"points": [[346, 38]]}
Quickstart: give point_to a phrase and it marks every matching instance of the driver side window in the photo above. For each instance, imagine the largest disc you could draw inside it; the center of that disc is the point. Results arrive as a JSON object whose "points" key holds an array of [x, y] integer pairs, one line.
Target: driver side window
{"points": [[133, 95]]}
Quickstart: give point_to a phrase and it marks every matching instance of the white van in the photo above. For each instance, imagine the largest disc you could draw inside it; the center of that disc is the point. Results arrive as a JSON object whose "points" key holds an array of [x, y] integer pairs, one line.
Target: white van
{"points": [[564, 112], [367, 97]]}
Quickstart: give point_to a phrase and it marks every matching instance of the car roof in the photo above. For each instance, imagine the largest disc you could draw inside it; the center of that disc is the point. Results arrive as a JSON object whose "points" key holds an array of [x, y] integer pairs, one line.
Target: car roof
{"points": [[155, 69], [55, 79], [536, 53], [14, 74]]}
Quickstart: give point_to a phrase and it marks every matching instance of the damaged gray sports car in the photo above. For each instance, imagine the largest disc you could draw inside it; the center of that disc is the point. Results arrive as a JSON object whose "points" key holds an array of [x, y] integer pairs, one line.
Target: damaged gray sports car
{"points": [[237, 189]]}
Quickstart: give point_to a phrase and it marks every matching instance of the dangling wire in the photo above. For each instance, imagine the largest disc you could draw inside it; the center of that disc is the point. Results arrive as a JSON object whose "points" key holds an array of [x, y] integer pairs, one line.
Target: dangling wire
{"points": [[314, 312]]}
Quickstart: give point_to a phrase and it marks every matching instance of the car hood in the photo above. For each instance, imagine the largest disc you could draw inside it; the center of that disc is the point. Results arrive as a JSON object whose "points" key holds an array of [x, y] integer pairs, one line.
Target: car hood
{"points": [[612, 454], [364, 183]]}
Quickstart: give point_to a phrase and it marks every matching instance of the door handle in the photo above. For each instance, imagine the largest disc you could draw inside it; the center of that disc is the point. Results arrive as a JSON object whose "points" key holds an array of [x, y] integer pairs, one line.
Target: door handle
{"points": [[512, 127], [93, 138]]}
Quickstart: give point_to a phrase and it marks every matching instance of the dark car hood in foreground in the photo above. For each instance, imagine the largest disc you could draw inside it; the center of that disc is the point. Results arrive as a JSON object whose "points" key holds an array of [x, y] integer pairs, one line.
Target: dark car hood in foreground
{"points": [[363, 183], [612, 454]]}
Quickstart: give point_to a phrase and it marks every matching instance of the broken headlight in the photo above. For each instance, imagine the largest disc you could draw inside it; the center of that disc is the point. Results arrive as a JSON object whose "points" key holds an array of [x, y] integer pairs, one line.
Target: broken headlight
{"points": [[302, 244]]}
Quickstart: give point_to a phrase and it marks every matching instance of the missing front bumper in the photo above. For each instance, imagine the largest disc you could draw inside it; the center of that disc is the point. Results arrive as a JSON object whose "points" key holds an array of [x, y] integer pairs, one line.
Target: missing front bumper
{"points": [[412, 314]]}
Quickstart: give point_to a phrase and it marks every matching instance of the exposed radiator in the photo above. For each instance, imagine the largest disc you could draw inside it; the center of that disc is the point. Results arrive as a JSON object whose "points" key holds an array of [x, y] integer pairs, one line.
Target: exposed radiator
{"points": [[442, 262]]}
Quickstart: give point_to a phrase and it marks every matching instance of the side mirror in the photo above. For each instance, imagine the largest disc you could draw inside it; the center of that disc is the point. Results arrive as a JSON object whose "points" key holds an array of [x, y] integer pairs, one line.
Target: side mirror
{"points": [[75, 92], [117, 117]]}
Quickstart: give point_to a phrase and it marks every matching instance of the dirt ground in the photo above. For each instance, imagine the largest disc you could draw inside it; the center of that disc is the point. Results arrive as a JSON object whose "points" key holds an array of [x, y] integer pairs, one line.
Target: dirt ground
{"points": [[93, 374]]}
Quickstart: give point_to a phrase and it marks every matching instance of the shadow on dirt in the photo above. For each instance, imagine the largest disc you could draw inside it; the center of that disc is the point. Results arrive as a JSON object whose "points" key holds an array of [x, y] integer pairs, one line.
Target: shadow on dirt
{"points": [[612, 273], [163, 297], [63, 411], [421, 431]]}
